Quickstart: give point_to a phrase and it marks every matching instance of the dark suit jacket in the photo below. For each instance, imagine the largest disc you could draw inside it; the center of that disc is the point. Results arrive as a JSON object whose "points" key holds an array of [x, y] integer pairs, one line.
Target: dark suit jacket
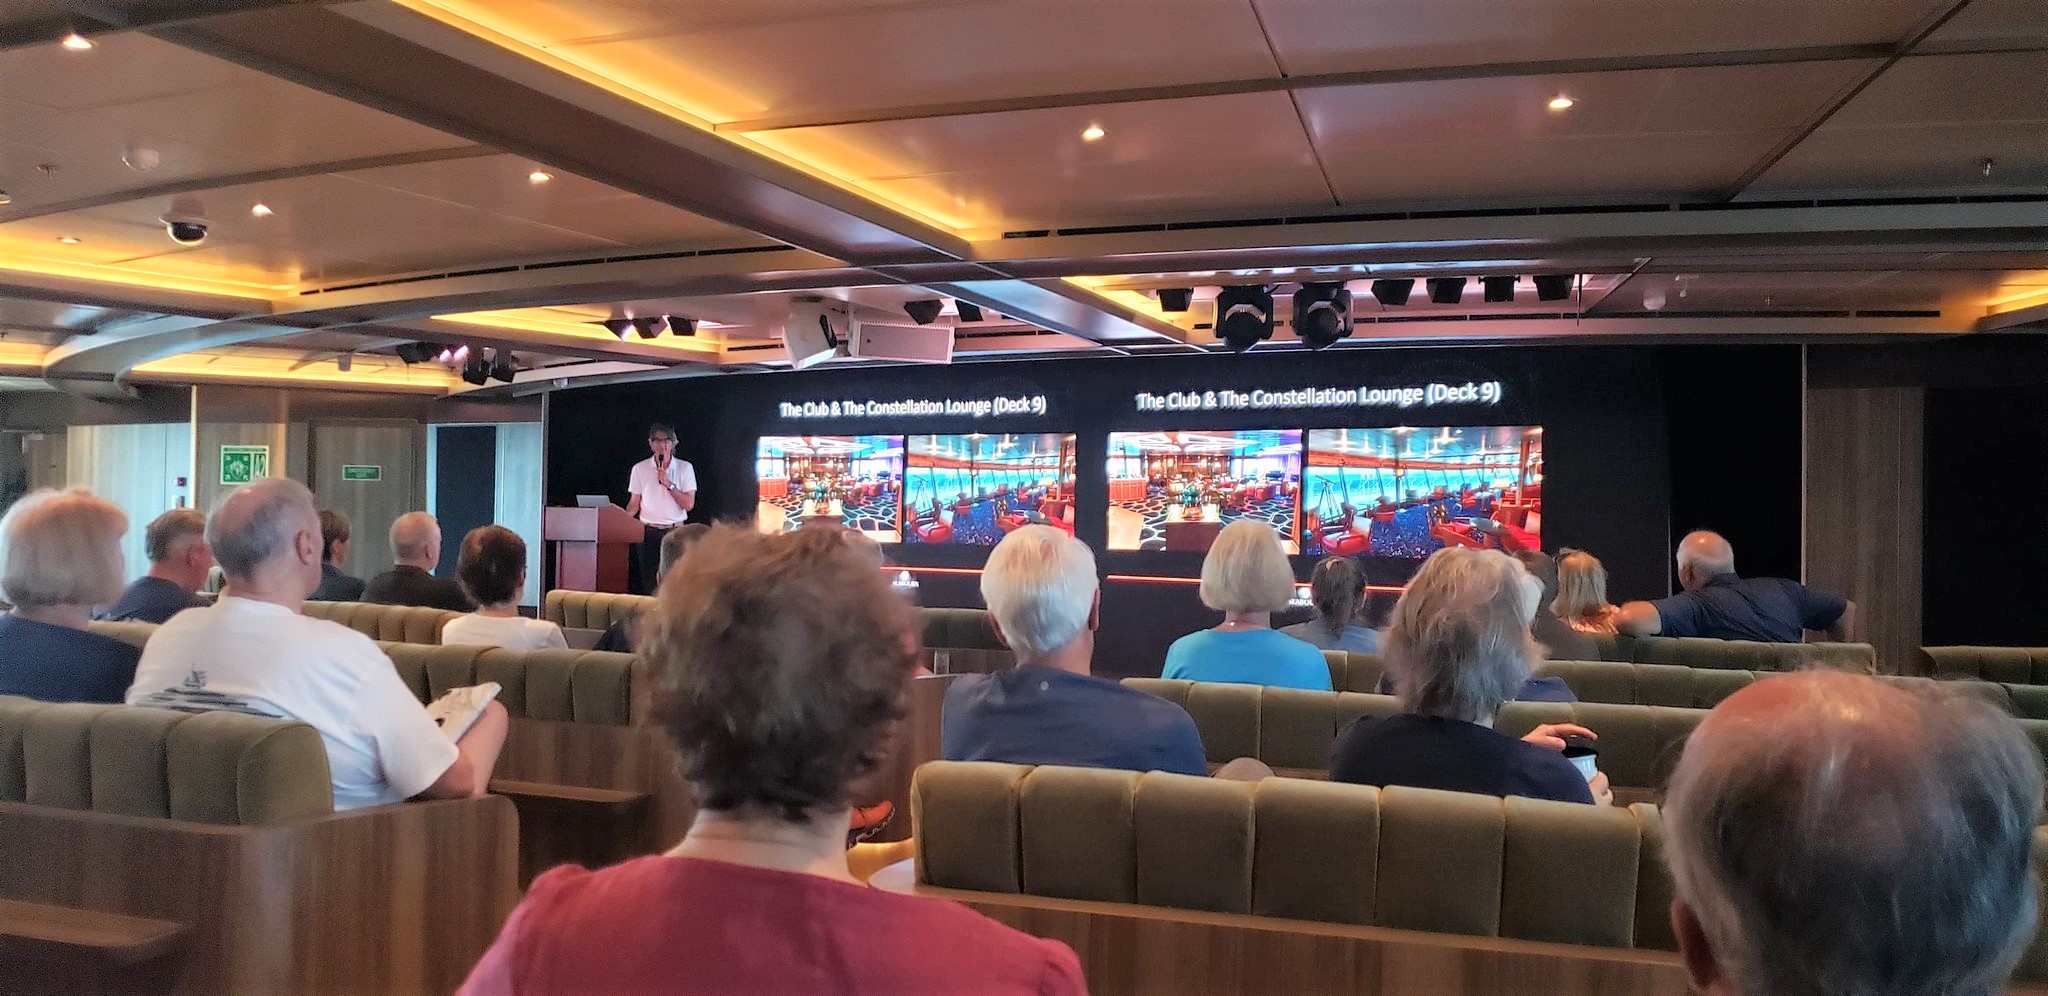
{"points": [[407, 585], [336, 586]]}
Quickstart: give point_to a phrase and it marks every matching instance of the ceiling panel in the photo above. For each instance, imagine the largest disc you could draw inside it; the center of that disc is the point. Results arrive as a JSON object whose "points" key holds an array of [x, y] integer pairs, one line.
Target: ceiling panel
{"points": [[1646, 133], [1329, 36], [1928, 123], [20, 11], [342, 227], [1964, 290], [1993, 21], [82, 112], [736, 60], [18, 314], [1159, 160]]}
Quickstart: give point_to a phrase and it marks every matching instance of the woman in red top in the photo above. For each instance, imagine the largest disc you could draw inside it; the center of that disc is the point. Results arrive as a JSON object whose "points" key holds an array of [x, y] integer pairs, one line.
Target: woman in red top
{"points": [[780, 666]]}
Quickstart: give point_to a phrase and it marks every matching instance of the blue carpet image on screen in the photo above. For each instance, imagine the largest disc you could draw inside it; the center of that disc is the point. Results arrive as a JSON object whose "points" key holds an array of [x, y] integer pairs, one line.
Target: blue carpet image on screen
{"points": [[1409, 492], [976, 488]]}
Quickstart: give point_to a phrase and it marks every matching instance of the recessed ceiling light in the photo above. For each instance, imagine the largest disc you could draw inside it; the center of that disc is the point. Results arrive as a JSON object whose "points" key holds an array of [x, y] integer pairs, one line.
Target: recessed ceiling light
{"points": [[539, 176], [1092, 133], [77, 42], [68, 240], [261, 210], [1561, 102]]}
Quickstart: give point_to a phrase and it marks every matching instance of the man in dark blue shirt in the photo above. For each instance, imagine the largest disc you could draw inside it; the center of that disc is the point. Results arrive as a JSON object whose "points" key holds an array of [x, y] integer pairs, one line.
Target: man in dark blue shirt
{"points": [[179, 561], [1041, 591], [1720, 604]]}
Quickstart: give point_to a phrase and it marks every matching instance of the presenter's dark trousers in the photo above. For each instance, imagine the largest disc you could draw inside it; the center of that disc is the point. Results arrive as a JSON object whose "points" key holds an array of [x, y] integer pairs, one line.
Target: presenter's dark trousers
{"points": [[650, 558]]}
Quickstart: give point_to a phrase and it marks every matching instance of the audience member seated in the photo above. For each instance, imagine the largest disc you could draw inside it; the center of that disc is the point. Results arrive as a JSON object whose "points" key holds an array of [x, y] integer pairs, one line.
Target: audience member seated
{"points": [[1719, 604], [781, 671], [492, 569], [1458, 649], [1247, 578], [1833, 833], [1581, 599], [1044, 601], [618, 638], [253, 652], [61, 557], [178, 564], [1559, 641], [336, 585], [1337, 591], [416, 544]]}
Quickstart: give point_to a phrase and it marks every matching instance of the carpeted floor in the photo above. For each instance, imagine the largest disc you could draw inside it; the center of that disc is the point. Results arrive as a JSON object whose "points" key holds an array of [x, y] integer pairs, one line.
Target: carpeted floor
{"points": [[1277, 512], [877, 514]]}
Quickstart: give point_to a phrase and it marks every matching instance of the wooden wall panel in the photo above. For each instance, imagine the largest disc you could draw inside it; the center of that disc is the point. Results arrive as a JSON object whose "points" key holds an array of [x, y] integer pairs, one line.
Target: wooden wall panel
{"points": [[1866, 508], [136, 467], [398, 448]]}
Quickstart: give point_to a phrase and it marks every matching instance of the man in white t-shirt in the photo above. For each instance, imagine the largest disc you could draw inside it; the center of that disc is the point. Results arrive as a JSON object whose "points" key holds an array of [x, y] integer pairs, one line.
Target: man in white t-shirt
{"points": [[253, 651], [664, 490]]}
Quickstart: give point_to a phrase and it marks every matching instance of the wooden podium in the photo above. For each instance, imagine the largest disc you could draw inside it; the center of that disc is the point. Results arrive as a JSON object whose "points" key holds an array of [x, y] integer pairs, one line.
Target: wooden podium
{"points": [[593, 546]]}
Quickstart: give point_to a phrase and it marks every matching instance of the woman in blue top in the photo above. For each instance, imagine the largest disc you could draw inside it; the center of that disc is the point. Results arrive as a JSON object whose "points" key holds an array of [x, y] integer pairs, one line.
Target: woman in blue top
{"points": [[1337, 590], [1246, 577]]}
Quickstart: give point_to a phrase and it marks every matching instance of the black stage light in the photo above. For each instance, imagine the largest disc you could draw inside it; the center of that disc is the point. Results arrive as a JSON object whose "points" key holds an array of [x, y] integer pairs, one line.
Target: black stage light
{"points": [[1322, 314], [682, 326], [968, 312], [1554, 286], [1446, 290], [923, 312], [1176, 298], [417, 352], [618, 326], [650, 327], [1244, 316], [1392, 293], [1498, 289], [474, 369], [502, 367]]}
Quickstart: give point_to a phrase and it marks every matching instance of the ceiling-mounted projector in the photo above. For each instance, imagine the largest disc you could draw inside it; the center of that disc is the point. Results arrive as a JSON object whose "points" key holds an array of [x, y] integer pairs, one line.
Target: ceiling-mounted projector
{"points": [[815, 332]]}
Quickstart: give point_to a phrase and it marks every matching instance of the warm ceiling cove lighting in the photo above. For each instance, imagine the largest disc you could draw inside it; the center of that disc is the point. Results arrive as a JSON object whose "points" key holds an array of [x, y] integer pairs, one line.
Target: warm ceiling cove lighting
{"points": [[539, 176], [1093, 133], [77, 42], [261, 210], [1561, 102]]}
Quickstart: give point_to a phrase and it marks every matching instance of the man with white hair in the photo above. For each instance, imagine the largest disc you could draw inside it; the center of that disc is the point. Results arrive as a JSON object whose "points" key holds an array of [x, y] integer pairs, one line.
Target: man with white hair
{"points": [[1043, 598], [252, 651], [1719, 603], [416, 545], [1831, 834]]}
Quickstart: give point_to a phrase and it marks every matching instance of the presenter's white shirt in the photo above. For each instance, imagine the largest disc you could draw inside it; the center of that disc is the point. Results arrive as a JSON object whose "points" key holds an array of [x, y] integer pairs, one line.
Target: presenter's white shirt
{"points": [[258, 657], [515, 632], [657, 506]]}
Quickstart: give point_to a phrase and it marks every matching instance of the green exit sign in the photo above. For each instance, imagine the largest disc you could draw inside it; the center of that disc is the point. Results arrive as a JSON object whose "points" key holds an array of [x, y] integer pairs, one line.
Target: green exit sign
{"points": [[361, 472]]}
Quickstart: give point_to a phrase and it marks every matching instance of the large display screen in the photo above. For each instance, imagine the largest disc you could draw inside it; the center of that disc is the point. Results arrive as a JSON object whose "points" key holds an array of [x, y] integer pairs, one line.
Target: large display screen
{"points": [[853, 480], [975, 488], [1177, 490], [1409, 492]]}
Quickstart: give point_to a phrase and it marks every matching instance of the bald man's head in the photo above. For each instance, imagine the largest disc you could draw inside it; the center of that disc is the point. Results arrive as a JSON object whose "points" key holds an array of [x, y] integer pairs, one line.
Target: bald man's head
{"points": [[266, 535], [416, 540], [1834, 833], [1702, 555]]}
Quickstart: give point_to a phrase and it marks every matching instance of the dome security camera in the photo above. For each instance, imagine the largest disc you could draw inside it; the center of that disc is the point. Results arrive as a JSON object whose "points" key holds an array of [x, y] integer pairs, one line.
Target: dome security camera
{"points": [[186, 222]]}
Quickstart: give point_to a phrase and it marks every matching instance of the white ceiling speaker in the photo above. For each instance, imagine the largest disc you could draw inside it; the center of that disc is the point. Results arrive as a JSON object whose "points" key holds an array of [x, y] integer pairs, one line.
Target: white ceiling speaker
{"points": [[902, 343], [815, 331]]}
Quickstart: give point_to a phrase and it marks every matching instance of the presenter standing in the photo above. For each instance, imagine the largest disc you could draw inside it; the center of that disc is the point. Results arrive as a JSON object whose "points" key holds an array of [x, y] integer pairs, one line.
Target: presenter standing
{"points": [[664, 490]]}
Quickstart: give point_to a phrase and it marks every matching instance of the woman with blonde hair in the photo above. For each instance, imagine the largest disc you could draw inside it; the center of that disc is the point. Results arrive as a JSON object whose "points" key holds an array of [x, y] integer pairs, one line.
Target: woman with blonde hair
{"points": [[1582, 594], [781, 672], [60, 555], [1247, 578]]}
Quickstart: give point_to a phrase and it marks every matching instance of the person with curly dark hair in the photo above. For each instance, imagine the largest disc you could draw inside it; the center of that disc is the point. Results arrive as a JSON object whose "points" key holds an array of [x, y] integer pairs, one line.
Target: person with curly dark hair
{"points": [[491, 567], [781, 671]]}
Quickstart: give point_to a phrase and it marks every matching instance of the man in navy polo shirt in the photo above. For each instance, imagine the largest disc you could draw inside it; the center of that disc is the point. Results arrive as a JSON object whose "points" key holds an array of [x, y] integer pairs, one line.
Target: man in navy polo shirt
{"points": [[1042, 595], [1717, 603]]}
